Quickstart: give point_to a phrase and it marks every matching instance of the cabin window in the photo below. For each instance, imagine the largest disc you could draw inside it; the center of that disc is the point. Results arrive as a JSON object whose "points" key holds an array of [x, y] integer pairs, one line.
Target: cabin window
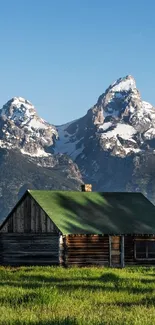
{"points": [[144, 249]]}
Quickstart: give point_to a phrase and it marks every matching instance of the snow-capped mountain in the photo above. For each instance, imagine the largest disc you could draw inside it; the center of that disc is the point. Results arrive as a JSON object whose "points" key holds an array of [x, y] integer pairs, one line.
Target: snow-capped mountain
{"points": [[120, 121], [22, 128]]}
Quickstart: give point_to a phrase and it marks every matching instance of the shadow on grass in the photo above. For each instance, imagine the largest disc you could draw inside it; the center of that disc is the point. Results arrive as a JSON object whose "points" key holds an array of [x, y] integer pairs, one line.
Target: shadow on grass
{"points": [[17, 269], [106, 282], [23, 299], [107, 277], [147, 281], [147, 302], [70, 287], [66, 321]]}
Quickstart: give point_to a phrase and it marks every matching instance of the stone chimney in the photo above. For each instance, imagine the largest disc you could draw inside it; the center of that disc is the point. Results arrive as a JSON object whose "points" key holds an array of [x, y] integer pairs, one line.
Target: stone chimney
{"points": [[86, 188]]}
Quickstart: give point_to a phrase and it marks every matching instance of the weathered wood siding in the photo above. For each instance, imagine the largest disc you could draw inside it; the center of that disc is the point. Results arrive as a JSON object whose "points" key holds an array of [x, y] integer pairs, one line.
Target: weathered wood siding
{"points": [[129, 258], [83, 250], [29, 249], [29, 237], [28, 217]]}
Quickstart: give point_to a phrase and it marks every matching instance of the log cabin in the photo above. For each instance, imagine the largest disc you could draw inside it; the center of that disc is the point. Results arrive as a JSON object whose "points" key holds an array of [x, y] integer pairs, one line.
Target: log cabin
{"points": [[84, 228]]}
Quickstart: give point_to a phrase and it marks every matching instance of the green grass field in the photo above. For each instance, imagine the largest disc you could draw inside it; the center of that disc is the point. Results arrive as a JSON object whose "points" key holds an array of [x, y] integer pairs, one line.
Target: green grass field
{"points": [[54, 295]]}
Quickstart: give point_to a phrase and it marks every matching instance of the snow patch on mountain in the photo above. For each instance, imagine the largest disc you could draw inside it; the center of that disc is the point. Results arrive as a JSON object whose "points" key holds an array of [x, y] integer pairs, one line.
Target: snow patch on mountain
{"points": [[123, 130], [37, 124], [105, 126], [147, 106], [131, 150], [38, 153], [123, 84], [67, 143]]}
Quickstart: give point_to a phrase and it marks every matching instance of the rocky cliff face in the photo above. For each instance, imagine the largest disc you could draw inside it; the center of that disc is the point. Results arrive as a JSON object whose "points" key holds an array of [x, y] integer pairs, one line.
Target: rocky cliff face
{"points": [[112, 147]]}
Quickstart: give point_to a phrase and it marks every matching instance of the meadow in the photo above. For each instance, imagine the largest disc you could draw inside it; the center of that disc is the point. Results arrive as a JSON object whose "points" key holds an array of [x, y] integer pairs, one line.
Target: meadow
{"points": [[77, 296]]}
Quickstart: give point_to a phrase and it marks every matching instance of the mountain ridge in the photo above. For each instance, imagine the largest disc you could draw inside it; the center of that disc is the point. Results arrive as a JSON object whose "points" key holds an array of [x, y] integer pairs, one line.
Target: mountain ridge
{"points": [[121, 102]]}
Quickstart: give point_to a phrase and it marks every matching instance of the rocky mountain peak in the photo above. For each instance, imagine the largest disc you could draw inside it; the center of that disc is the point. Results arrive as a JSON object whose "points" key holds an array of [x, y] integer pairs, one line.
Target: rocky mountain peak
{"points": [[22, 128], [18, 110], [128, 121], [120, 123], [117, 96], [124, 84]]}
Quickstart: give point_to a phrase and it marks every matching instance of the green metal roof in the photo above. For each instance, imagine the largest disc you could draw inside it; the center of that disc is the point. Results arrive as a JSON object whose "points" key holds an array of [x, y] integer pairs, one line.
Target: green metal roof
{"points": [[98, 213]]}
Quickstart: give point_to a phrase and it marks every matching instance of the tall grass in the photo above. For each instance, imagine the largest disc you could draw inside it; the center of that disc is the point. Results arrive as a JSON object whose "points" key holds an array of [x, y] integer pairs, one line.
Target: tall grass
{"points": [[54, 295]]}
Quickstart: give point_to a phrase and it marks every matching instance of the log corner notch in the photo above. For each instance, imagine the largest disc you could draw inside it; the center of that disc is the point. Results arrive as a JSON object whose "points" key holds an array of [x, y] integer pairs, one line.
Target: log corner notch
{"points": [[62, 251]]}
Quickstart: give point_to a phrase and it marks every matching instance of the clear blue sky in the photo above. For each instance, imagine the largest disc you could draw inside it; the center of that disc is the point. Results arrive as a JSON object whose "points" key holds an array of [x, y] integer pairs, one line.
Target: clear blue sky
{"points": [[62, 54]]}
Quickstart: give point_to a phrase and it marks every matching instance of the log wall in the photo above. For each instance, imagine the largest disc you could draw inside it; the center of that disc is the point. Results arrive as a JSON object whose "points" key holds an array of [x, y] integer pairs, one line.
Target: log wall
{"points": [[29, 249], [28, 217], [84, 250]]}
